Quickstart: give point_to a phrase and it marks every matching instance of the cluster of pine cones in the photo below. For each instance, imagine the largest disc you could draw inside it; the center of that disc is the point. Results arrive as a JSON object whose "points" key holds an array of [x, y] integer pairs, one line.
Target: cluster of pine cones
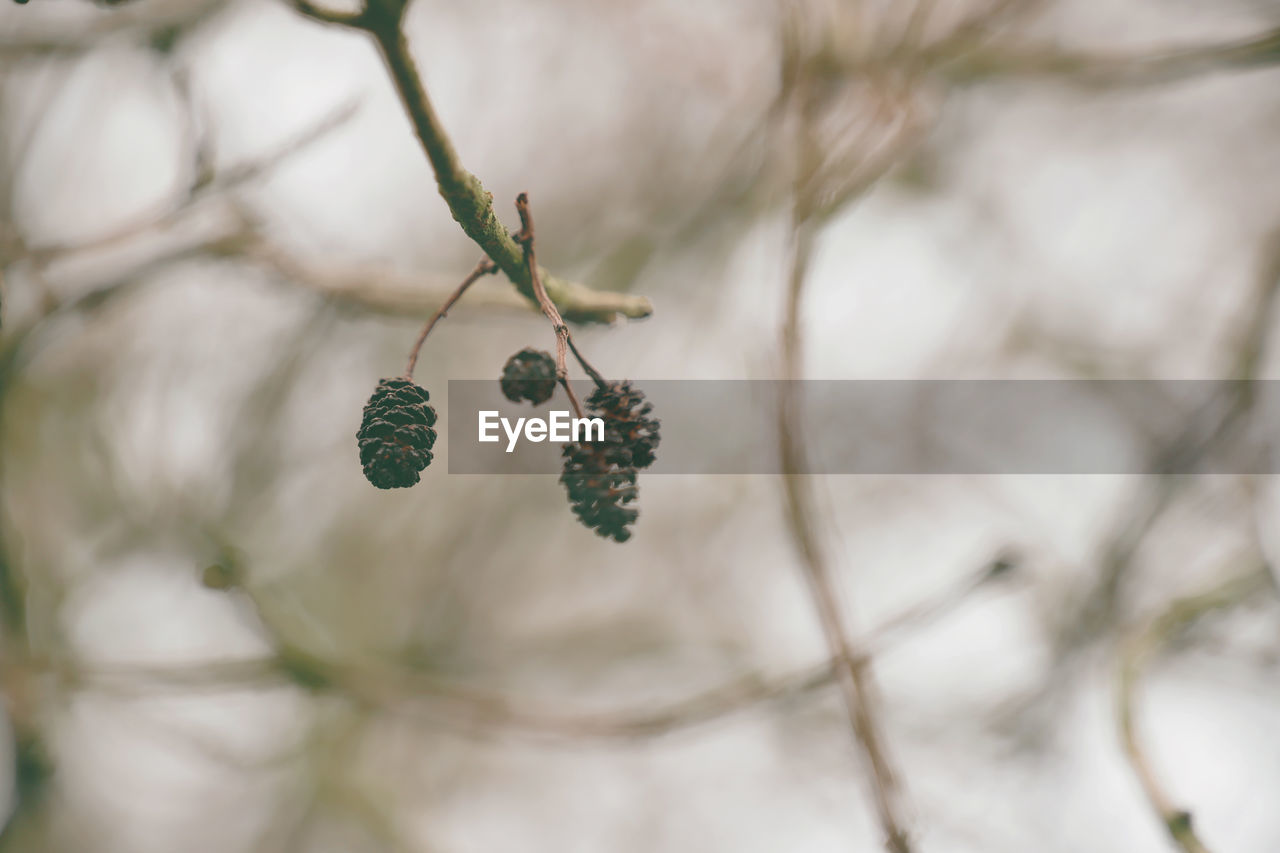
{"points": [[396, 438]]}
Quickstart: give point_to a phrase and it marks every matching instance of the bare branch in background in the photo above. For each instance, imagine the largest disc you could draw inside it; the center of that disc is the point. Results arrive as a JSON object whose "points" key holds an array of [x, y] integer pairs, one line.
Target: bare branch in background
{"points": [[1024, 61], [1215, 426], [205, 185], [22, 692], [404, 691], [468, 201], [316, 12], [850, 664], [138, 21], [387, 291], [1135, 653], [853, 170]]}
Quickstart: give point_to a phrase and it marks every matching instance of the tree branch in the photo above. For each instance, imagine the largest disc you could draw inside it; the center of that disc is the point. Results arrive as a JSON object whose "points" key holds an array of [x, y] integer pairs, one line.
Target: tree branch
{"points": [[1134, 656], [468, 201], [849, 665], [1100, 69], [376, 288], [328, 16], [58, 40], [396, 689], [811, 207]]}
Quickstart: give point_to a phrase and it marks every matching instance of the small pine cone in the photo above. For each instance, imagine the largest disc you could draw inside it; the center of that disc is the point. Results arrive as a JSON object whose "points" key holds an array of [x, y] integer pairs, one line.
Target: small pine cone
{"points": [[529, 375], [395, 434], [601, 482], [625, 409]]}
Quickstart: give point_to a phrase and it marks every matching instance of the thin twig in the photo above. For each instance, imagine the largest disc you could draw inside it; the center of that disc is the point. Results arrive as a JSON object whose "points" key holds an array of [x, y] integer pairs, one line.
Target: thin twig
{"points": [[484, 268], [586, 365], [526, 239], [1183, 612], [929, 611]]}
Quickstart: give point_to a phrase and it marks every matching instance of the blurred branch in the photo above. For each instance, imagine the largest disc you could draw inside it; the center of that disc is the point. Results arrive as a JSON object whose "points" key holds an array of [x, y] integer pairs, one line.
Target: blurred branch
{"points": [[468, 201], [925, 613], [317, 12], [1213, 428], [21, 690], [973, 52], [203, 186], [366, 289], [978, 29], [141, 19], [819, 166], [363, 288], [13, 345], [850, 666], [399, 689], [1134, 656], [386, 291], [377, 289], [1163, 65]]}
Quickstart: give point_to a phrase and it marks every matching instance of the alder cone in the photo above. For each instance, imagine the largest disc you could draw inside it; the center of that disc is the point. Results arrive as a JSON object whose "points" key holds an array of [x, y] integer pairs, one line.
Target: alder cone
{"points": [[625, 410], [601, 482], [529, 375], [395, 434]]}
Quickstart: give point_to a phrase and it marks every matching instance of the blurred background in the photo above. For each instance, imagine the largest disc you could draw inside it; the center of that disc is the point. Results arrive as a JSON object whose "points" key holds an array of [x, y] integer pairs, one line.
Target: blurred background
{"points": [[217, 233]]}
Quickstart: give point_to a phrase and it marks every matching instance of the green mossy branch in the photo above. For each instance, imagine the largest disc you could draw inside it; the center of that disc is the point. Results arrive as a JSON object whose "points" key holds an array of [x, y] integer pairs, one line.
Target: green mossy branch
{"points": [[469, 202]]}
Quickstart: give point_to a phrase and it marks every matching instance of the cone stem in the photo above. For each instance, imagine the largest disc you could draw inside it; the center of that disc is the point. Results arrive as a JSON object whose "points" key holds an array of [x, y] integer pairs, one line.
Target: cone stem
{"points": [[485, 267]]}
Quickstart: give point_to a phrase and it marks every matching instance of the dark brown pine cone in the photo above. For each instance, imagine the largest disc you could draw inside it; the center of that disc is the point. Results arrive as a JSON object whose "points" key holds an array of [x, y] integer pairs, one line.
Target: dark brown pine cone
{"points": [[601, 482], [395, 434], [529, 375], [625, 409]]}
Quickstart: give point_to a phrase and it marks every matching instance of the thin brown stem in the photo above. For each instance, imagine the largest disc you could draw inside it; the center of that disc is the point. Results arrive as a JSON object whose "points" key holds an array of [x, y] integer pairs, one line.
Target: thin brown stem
{"points": [[484, 268], [573, 398], [586, 365], [526, 239]]}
